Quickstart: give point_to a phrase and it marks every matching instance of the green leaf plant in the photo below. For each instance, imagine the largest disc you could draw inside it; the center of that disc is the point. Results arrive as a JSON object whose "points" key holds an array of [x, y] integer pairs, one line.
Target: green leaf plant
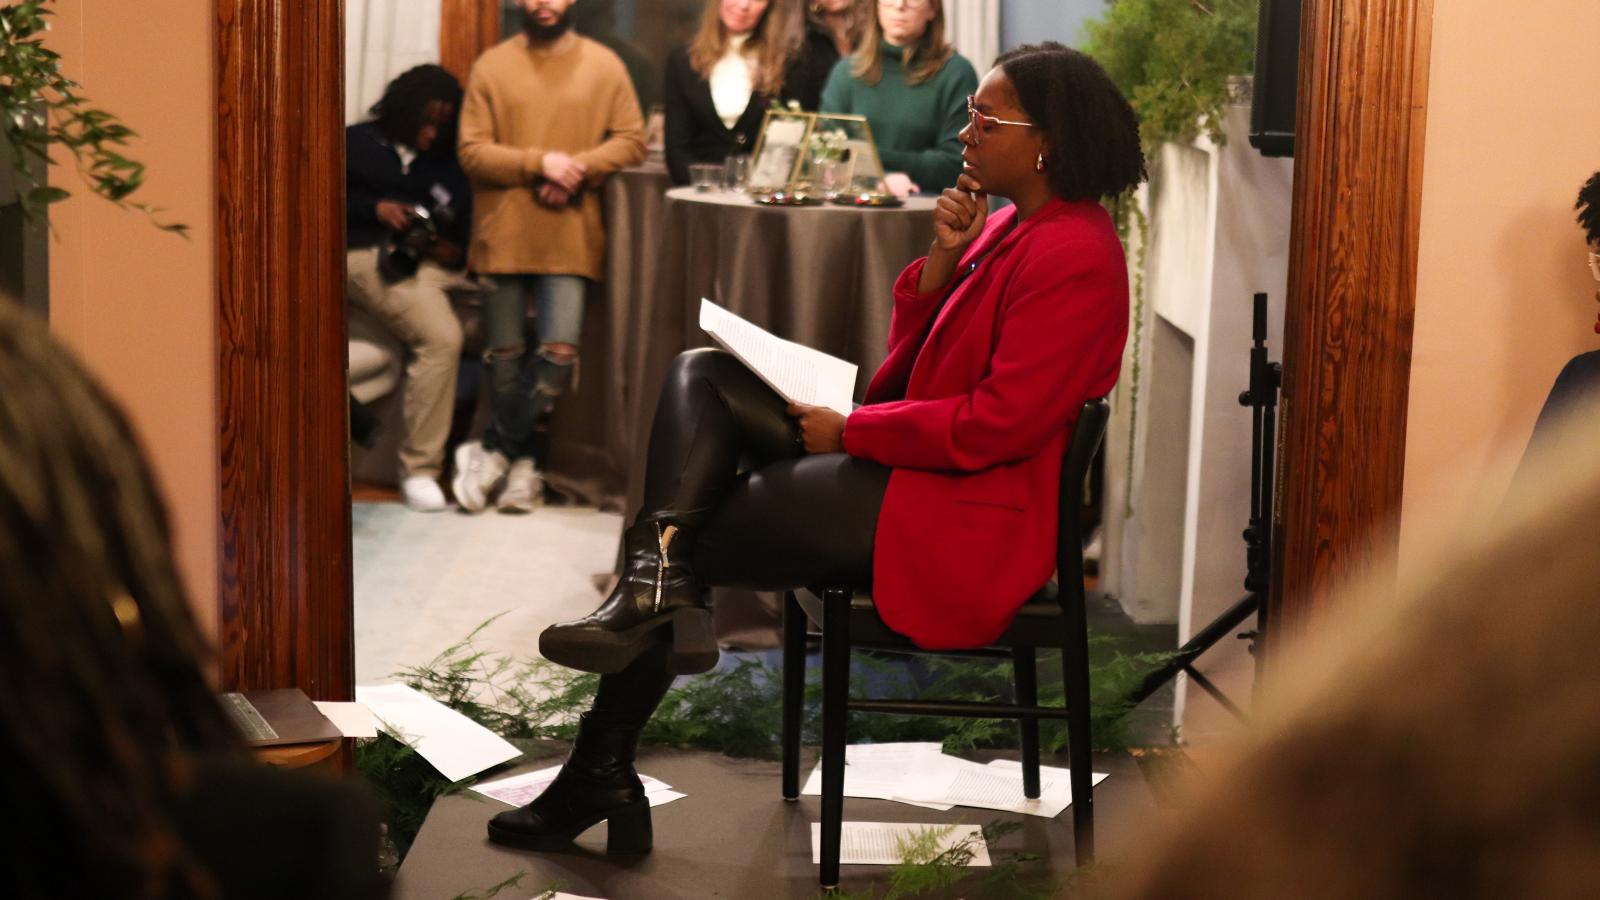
{"points": [[41, 108], [734, 710], [1172, 59]]}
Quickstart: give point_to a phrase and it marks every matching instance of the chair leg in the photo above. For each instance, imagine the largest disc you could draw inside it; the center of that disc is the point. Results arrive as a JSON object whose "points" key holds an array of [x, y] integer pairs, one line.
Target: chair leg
{"points": [[794, 683], [835, 713], [1075, 681], [1025, 675]]}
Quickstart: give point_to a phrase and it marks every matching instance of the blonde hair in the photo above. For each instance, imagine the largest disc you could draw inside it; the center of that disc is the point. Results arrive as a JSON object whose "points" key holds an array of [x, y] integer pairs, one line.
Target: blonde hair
{"points": [[921, 62], [775, 41]]}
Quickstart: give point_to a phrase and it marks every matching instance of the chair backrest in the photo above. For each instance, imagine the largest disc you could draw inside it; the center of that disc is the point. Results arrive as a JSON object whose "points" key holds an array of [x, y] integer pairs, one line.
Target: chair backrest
{"points": [[1086, 437]]}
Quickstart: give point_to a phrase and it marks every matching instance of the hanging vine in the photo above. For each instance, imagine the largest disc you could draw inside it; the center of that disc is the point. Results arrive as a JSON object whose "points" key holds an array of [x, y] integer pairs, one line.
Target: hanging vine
{"points": [[1173, 60]]}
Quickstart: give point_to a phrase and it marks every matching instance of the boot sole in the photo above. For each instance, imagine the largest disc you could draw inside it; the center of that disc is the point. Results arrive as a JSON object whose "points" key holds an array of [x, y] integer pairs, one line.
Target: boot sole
{"points": [[694, 645]]}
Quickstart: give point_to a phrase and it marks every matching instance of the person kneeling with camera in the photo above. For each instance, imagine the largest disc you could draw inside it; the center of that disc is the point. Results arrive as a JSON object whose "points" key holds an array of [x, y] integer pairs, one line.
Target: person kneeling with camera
{"points": [[408, 209]]}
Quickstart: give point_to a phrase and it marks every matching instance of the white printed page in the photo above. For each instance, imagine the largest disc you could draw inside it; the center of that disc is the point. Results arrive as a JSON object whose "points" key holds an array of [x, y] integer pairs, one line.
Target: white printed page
{"points": [[520, 790], [880, 771], [995, 786], [883, 843], [798, 373], [452, 743]]}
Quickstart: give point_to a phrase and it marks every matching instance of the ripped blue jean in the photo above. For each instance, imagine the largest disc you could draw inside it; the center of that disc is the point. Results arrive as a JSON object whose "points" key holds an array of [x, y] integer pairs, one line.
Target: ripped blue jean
{"points": [[525, 384]]}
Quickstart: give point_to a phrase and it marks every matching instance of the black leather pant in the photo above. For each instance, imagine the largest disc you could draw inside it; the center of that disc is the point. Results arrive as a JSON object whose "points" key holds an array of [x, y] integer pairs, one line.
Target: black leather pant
{"points": [[762, 513]]}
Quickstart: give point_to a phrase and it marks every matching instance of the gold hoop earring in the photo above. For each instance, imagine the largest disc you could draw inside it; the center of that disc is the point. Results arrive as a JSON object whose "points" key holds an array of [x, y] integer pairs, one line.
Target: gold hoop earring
{"points": [[1039, 166]]}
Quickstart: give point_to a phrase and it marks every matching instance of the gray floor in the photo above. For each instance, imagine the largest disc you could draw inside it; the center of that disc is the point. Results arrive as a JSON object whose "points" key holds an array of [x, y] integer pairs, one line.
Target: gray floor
{"points": [[734, 836], [424, 581]]}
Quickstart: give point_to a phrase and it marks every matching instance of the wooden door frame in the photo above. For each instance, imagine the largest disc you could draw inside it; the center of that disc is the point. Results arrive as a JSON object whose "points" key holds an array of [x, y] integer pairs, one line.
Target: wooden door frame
{"points": [[285, 601], [466, 29], [1360, 133], [284, 592]]}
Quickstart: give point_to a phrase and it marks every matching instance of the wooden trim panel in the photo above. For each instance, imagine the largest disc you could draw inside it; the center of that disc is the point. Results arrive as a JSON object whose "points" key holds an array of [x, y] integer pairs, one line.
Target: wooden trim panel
{"points": [[466, 29], [1352, 293], [285, 592]]}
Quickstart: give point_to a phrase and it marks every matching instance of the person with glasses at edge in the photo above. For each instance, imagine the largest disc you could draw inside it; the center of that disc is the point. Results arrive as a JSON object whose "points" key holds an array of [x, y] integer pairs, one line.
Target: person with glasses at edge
{"points": [[939, 492], [746, 54], [1577, 387], [912, 86]]}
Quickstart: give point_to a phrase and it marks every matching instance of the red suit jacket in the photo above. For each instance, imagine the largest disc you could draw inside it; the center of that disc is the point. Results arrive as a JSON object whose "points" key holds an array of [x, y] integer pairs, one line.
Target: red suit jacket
{"points": [[975, 418]]}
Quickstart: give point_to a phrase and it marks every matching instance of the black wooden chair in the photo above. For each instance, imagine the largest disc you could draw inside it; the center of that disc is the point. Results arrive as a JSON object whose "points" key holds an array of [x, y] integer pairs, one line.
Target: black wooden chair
{"points": [[1053, 617]]}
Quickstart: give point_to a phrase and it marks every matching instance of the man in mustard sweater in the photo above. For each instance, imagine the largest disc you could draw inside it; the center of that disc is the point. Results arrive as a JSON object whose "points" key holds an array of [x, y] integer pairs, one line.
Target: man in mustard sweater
{"points": [[548, 115]]}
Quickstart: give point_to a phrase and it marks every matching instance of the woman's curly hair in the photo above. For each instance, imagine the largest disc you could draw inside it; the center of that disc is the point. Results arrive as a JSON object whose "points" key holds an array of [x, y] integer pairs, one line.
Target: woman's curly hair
{"points": [[1588, 208], [1093, 132]]}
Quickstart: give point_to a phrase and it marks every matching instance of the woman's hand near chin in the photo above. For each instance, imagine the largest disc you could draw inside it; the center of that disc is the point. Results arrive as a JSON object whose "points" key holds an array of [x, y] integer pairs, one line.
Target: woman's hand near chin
{"points": [[959, 215], [958, 219]]}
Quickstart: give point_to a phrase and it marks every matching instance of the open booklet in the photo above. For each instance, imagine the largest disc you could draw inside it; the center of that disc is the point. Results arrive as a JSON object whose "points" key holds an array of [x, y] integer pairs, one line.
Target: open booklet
{"points": [[798, 373]]}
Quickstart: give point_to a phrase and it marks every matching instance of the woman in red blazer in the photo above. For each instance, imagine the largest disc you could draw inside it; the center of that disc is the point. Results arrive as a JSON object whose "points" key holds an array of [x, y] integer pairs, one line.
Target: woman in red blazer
{"points": [[939, 491]]}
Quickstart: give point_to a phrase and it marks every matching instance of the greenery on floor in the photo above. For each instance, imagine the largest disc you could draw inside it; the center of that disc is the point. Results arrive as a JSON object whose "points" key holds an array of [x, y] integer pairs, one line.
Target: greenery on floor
{"points": [[733, 710]]}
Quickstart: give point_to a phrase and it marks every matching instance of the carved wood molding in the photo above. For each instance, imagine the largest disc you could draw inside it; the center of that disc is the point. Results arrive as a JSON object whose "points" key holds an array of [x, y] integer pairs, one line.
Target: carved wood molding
{"points": [[1352, 292], [466, 29], [285, 591]]}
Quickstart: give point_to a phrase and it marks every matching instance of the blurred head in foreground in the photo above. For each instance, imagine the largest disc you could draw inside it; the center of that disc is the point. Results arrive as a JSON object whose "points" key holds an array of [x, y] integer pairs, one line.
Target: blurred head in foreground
{"points": [[1435, 738], [104, 697]]}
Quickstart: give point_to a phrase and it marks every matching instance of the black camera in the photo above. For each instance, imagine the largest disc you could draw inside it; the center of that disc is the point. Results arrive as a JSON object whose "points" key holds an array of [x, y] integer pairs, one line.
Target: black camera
{"points": [[404, 253]]}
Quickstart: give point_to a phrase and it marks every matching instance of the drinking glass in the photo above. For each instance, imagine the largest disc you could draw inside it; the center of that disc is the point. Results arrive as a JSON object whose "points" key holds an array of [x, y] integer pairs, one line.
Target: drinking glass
{"points": [[705, 176], [736, 173], [832, 177]]}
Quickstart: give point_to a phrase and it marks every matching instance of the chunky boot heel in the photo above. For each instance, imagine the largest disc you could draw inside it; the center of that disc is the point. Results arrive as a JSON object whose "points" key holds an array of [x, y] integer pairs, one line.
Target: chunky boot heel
{"points": [[596, 784], [694, 642], [628, 830], [657, 585]]}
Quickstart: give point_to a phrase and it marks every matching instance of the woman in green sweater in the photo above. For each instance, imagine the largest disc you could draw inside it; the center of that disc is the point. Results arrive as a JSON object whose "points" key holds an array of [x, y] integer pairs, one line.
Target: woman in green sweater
{"points": [[912, 86]]}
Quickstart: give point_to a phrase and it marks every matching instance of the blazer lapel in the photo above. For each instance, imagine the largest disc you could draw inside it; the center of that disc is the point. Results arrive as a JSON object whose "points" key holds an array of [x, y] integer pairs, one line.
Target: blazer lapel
{"points": [[980, 258]]}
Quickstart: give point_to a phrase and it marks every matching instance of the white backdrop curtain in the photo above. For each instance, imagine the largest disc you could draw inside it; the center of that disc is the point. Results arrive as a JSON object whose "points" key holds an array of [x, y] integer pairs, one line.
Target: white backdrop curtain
{"points": [[383, 38], [975, 30]]}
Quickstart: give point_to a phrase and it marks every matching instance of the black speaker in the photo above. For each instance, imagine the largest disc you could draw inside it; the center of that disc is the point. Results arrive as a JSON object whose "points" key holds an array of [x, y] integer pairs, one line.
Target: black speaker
{"points": [[1277, 78]]}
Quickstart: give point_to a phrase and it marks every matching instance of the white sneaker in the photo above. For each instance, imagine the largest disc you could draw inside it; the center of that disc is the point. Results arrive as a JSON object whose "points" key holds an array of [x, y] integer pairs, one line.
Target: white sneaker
{"points": [[524, 489], [423, 494], [477, 472]]}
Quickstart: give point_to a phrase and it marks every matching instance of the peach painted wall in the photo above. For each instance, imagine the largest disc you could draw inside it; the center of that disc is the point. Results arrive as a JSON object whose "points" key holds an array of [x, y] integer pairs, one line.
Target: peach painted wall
{"points": [[137, 303], [1504, 296]]}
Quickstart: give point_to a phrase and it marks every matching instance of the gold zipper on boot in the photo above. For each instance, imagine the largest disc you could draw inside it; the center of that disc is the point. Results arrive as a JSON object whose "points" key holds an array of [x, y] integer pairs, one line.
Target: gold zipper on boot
{"points": [[663, 540]]}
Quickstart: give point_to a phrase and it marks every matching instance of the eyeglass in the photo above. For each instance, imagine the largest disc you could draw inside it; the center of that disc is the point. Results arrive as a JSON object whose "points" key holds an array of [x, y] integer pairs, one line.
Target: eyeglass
{"points": [[982, 123], [1594, 264], [908, 4]]}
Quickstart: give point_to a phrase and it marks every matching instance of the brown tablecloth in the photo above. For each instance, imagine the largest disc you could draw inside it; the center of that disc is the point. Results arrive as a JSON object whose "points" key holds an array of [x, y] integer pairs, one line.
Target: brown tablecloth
{"points": [[822, 276], [591, 432]]}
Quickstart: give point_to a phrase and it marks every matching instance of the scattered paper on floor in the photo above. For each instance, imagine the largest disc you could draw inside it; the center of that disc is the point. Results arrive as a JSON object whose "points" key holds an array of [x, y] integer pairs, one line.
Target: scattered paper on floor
{"points": [[995, 786], [353, 720], [884, 843], [520, 790], [452, 743], [879, 771]]}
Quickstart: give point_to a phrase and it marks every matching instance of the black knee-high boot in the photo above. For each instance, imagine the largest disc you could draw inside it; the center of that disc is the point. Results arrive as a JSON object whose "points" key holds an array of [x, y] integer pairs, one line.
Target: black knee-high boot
{"points": [[712, 411], [598, 782]]}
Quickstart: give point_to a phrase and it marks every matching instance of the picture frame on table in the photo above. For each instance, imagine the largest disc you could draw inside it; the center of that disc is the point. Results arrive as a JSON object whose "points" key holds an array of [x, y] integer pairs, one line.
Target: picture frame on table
{"points": [[780, 150]]}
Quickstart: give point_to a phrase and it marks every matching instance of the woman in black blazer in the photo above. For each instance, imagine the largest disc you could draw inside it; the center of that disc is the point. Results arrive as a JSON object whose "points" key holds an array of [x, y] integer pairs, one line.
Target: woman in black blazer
{"points": [[714, 105]]}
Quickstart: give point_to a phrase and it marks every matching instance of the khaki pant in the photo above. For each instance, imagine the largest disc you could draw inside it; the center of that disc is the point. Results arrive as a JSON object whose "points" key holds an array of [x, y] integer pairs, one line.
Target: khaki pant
{"points": [[417, 310]]}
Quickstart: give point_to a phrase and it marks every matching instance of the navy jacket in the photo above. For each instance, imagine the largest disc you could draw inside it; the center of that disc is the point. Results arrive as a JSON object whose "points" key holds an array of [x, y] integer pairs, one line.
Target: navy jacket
{"points": [[373, 173]]}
